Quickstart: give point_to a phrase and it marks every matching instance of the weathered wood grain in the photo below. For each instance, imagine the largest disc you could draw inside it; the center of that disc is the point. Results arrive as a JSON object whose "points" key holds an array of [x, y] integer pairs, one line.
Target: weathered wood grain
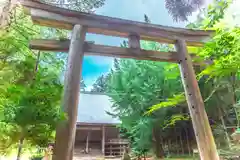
{"points": [[110, 51], [134, 41], [65, 135], [202, 129], [102, 50], [52, 16]]}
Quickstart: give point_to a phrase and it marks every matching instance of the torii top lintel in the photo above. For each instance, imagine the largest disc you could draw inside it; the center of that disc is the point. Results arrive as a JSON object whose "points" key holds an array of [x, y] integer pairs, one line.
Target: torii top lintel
{"points": [[48, 15]]}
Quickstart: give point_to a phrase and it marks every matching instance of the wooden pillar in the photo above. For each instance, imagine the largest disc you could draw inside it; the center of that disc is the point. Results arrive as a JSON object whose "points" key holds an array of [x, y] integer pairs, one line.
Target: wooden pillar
{"points": [[87, 142], [202, 129], [134, 41], [72, 152], [65, 135], [103, 140]]}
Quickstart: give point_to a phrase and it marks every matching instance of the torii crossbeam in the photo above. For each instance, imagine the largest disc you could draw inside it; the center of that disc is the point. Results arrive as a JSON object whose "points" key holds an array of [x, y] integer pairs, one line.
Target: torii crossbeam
{"points": [[81, 23]]}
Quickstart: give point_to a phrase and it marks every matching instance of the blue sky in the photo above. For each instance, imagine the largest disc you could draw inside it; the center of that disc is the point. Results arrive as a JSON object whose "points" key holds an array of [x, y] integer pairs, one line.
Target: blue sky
{"points": [[127, 9]]}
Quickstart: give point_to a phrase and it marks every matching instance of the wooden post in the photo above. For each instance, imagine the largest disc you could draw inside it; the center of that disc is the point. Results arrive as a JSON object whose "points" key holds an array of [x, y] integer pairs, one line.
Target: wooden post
{"points": [[87, 143], [103, 140], [202, 129], [65, 135], [134, 41]]}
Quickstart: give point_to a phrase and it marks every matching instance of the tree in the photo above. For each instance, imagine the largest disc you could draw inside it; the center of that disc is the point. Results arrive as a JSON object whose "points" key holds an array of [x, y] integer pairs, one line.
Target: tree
{"points": [[35, 108], [30, 87], [181, 9], [218, 81], [210, 16], [82, 85], [221, 79], [134, 86], [100, 85], [78, 5]]}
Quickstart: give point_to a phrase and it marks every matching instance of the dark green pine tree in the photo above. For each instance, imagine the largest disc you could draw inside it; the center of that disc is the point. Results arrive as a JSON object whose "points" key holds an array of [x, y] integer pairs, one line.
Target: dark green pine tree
{"points": [[100, 84], [146, 19], [82, 85], [181, 9], [116, 64]]}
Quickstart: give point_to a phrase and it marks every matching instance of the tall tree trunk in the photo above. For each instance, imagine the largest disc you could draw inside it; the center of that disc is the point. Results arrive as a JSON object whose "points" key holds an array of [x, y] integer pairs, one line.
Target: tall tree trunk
{"points": [[226, 133], [169, 146], [158, 147], [220, 112], [234, 96], [189, 150], [177, 146], [181, 143], [20, 146]]}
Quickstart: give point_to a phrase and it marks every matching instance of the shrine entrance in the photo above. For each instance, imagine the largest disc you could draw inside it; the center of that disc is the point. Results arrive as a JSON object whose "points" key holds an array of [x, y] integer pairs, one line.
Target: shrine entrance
{"points": [[82, 23]]}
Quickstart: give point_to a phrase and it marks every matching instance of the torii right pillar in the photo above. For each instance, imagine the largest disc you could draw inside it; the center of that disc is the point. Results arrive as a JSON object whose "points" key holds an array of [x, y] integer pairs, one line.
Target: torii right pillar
{"points": [[205, 141]]}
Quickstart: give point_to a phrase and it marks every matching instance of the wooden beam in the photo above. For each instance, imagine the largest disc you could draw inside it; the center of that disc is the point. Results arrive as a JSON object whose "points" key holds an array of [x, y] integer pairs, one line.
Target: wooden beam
{"points": [[65, 135], [97, 124], [202, 129], [101, 50], [93, 128], [103, 140], [87, 142], [56, 17], [109, 51]]}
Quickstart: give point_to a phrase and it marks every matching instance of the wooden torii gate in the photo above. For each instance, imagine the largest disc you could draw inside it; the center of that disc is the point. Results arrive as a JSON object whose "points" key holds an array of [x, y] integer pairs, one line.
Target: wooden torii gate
{"points": [[81, 23]]}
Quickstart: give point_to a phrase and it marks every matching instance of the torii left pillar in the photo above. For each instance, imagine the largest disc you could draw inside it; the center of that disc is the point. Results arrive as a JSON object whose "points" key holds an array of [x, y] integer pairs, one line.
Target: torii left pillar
{"points": [[65, 135]]}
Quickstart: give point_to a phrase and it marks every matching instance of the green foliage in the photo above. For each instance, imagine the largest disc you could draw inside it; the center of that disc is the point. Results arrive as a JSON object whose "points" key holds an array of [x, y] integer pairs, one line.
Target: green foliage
{"points": [[215, 12], [29, 97], [181, 9], [171, 102], [82, 85], [35, 108], [8, 138], [30, 82], [141, 142], [134, 87], [224, 50], [100, 85], [174, 119], [138, 87], [78, 5], [210, 16]]}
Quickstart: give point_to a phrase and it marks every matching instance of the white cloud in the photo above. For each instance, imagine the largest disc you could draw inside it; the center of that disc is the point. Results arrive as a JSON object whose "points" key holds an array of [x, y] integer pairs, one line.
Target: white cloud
{"points": [[88, 88], [101, 60]]}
